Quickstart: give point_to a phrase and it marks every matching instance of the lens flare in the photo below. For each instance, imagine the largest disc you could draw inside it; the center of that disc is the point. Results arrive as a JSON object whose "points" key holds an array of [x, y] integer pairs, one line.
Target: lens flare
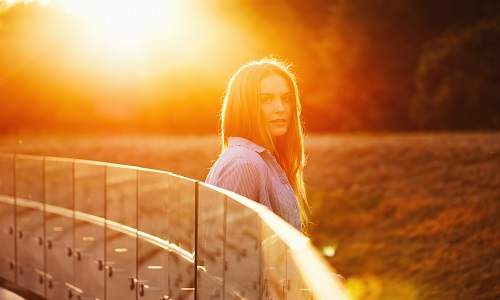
{"points": [[126, 25]]}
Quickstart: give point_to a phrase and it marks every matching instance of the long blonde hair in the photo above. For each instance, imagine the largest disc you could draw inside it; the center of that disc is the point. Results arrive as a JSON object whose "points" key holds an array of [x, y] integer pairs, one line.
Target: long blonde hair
{"points": [[240, 116]]}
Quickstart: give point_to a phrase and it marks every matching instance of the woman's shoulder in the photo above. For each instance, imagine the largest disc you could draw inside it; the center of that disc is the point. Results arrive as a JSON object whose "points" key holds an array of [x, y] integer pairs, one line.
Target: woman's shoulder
{"points": [[242, 156], [237, 160]]}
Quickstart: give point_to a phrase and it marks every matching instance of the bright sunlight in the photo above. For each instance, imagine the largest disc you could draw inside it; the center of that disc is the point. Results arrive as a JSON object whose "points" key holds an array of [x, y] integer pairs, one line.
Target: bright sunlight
{"points": [[127, 26], [130, 25]]}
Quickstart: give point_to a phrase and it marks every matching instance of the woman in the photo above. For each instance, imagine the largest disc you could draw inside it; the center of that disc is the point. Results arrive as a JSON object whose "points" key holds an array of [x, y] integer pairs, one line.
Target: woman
{"points": [[262, 141]]}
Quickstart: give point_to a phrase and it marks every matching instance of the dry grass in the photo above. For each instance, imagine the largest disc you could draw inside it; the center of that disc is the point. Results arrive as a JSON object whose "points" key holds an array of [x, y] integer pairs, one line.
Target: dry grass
{"points": [[411, 216], [417, 211]]}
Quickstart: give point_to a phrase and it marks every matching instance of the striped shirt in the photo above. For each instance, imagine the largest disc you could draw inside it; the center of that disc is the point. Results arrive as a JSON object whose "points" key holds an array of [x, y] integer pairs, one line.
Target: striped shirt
{"points": [[252, 171]]}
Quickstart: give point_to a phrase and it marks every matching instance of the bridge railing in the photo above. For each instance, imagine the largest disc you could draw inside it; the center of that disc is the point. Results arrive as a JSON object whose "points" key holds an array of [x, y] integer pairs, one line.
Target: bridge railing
{"points": [[76, 229]]}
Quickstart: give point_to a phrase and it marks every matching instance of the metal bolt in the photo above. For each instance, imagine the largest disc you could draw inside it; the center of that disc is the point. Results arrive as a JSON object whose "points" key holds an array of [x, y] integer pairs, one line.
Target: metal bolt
{"points": [[100, 265], [132, 282], [141, 289]]}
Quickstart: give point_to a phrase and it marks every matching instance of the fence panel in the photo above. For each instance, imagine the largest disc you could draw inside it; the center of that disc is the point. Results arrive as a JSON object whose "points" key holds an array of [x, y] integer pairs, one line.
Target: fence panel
{"points": [[121, 235], [242, 252], [30, 220], [59, 190], [153, 245], [181, 229], [274, 254], [211, 240], [296, 287], [7, 218], [89, 249]]}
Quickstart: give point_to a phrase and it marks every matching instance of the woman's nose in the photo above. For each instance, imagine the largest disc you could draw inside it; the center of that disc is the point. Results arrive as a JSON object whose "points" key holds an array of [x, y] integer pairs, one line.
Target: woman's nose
{"points": [[279, 105]]}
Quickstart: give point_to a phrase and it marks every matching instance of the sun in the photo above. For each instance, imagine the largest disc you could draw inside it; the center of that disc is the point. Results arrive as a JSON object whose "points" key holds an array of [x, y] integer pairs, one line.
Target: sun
{"points": [[130, 25], [140, 40], [127, 25]]}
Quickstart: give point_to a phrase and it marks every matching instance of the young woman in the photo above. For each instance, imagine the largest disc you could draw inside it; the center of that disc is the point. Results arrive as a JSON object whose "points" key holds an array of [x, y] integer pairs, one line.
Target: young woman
{"points": [[262, 141]]}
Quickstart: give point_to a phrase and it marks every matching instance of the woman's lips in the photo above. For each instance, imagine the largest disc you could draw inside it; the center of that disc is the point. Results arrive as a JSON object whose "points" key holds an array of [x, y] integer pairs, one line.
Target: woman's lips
{"points": [[279, 122]]}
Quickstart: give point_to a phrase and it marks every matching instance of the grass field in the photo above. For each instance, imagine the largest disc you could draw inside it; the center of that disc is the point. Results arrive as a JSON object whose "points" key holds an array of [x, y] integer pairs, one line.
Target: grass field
{"points": [[410, 216]]}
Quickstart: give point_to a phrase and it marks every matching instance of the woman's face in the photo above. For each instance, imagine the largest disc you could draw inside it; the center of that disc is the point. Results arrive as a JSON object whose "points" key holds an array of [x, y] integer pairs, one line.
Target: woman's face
{"points": [[275, 104]]}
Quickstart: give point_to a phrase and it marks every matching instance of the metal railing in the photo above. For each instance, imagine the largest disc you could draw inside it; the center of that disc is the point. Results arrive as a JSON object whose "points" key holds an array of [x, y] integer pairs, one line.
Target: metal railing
{"points": [[76, 229]]}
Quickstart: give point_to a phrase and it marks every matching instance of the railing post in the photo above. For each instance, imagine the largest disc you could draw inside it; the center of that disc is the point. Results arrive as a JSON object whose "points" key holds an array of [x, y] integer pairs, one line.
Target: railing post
{"points": [[43, 281], [105, 254], [15, 218], [196, 194], [224, 225], [73, 205], [133, 282]]}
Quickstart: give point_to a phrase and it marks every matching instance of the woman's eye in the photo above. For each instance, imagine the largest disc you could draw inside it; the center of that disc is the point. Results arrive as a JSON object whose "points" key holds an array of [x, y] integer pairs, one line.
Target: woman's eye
{"points": [[286, 98], [266, 99]]}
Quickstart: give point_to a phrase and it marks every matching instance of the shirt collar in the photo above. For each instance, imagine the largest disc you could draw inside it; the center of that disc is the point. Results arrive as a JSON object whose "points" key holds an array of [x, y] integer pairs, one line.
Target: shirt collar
{"points": [[240, 141]]}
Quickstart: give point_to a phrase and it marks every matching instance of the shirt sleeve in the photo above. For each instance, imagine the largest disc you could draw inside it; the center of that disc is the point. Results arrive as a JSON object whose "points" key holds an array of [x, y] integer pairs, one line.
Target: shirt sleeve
{"points": [[244, 178]]}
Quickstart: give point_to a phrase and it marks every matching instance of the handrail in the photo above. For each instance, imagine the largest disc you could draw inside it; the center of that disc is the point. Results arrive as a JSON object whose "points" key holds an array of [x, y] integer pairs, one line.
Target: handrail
{"points": [[87, 261]]}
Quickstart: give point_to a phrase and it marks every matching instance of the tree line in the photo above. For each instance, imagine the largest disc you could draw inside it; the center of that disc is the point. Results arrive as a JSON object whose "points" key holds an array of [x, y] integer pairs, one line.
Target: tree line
{"points": [[362, 65]]}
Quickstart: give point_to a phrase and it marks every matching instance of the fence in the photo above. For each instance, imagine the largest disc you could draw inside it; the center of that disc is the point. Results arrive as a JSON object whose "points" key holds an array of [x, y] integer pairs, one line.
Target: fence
{"points": [[76, 229]]}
